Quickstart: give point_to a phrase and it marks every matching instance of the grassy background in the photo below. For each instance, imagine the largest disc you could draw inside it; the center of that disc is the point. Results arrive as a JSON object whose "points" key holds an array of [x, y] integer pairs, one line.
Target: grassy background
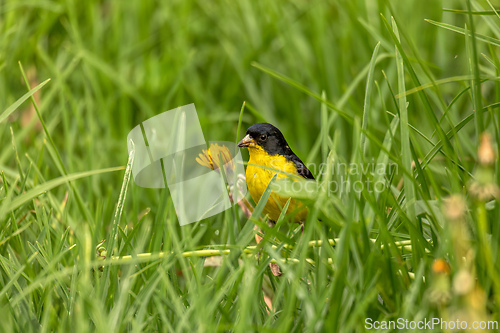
{"points": [[308, 68]]}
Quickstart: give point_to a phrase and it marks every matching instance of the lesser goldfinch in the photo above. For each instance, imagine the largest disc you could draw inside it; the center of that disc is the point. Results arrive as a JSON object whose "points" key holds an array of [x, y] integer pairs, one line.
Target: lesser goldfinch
{"points": [[270, 155]]}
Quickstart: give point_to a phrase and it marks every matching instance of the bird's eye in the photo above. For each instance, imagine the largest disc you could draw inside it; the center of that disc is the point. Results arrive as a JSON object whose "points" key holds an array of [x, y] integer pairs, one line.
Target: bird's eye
{"points": [[263, 137]]}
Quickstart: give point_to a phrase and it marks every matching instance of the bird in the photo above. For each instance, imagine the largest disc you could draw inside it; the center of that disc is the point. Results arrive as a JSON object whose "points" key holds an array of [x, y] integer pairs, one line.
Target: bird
{"points": [[271, 155]]}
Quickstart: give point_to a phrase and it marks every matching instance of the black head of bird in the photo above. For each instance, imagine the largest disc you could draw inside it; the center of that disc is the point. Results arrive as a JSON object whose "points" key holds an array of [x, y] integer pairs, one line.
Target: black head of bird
{"points": [[268, 137]]}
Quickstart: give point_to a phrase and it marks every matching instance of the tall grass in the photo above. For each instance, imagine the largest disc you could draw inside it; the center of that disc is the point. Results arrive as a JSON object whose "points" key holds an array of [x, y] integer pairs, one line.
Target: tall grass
{"points": [[409, 87]]}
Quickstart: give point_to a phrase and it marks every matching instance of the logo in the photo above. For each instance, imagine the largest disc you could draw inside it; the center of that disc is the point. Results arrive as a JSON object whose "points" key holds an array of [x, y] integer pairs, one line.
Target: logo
{"points": [[171, 152]]}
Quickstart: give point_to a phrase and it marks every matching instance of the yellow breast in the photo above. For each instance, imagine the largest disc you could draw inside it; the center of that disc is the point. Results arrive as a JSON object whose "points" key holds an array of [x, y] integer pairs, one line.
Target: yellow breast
{"points": [[260, 170]]}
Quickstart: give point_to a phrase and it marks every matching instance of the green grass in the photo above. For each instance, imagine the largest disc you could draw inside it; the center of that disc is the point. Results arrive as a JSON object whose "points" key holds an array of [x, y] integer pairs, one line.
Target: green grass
{"points": [[405, 85]]}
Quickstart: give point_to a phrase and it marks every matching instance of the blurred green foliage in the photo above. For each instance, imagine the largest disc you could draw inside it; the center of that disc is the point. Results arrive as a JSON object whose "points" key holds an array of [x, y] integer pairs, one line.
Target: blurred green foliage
{"points": [[301, 65]]}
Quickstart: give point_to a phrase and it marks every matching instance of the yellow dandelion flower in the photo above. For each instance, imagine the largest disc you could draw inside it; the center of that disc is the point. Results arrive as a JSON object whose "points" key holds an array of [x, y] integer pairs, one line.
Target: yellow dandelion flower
{"points": [[216, 155]]}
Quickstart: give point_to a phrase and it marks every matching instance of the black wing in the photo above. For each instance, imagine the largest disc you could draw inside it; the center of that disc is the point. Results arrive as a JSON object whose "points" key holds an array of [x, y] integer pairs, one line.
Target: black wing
{"points": [[301, 168]]}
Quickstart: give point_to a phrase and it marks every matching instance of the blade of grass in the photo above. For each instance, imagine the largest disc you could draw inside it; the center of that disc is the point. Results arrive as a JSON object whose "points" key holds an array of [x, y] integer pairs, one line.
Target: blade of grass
{"points": [[368, 91], [474, 68], [21, 100], [405, 131], [47, 186], [55, 153], [487, 39], [116, 220], [409, 189], [302, 88]]}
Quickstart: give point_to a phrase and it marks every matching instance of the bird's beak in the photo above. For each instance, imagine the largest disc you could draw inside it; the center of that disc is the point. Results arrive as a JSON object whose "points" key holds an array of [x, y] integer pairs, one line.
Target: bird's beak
{"points": [[247, 141]]}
